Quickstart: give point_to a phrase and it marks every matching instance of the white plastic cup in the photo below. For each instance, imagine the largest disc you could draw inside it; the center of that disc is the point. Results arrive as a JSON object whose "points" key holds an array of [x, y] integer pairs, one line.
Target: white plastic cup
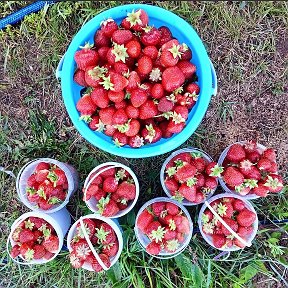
{"points": [[59, 220], [28, 170], [117, 229], [144, 240], [248, 205], [260, 149], [207, 157], [92, 202]]}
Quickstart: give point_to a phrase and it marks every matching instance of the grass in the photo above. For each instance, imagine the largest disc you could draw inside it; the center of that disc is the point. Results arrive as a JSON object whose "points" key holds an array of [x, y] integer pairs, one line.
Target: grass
{"points": [[246, 42]]}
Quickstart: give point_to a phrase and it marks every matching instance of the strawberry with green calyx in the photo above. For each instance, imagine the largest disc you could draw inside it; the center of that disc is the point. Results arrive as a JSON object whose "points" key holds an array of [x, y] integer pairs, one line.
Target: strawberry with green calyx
{"points": [[86, 57], [120, 53], [27, 252], [93, 75], [105, 234], [29, 225], [111, 249], [155, 75], [172, 78], [57, 177], [86, 106], [185, 171], [213, 169], [274, 183], [264, 164], [172, 209], [108, 27], [150, 36], [158, 207], [89, 227], [172, 245], [137, 20], [208, 228], [75, 261], [96, 124], [225, 210], [153, 248], [250, 146], [242, 189], [261, 190], [136, 141], [187, 192], [82, 249], [127, 189], [155, 231], [107, 207], [245, 167]]}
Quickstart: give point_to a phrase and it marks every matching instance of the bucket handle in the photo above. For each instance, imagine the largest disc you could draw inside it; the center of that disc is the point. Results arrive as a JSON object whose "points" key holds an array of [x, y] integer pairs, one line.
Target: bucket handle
{"points": [[214, 79], [58, 71]]}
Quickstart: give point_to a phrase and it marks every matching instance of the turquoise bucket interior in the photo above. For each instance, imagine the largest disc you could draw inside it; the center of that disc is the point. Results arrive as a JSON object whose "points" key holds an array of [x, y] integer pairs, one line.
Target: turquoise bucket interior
{"points": [[180, 30]]}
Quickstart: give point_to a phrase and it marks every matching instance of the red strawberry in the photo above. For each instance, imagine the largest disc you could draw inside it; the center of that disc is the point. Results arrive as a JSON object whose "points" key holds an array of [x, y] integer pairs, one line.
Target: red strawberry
{"points": [[165, 105], [26, 235], [218, 240], [158, 208], [273, 168], [207, 216], [145, 65], [133, 81], [274, 183], [200, 180], [166, 35], [172, 78], [38, 222], [181, 111], [157, 91], [134, 127], [51, 243], [108, 27], [15, 251], [186, 52], [26, 251], [102, 52], [93, 75], [264, 164], [254, 173], [99, 97], [121, 105], [39, 251], [111, 249], [269, 154], [150, 36], [101, 40], [110, 185], [153, 226], [86, 57], [119, 117], [91, 191], [169, 58], [151, 51], [245, 167], [253, 156], [210, 183], [246, 217], [144, 219], [31, 181], [122, 36], [236, 153], [121, 68], [231, 223], [184, 157], [110, 209], [116, 97], [75, 261], [172, 209], [163, 126], [238, 205], [175, 128], [198, 162], [95, 124], [225, 209], [233, 177], [153, 248], [79, 77], [109, 130], [170, 234], [115, 82], [86, 106], [127, 190], [132, 112], [171, 184], [41, 176], [245, 231], [138, 97], [187, 192], [193, 88], [148, 110], [95, 265], [185, 172], [151, 134], [187, 68], [182, 224], [133, 48], [48, 255], [136, 20], [261, 190], [120, 139], [106, 115]]}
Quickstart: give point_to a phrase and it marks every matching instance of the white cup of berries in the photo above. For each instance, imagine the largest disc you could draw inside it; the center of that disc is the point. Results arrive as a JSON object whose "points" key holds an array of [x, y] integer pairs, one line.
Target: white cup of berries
{"points": [[46, 185], [228, 222], [190, 176], [163, 227], [250, 170], [94, 243], [111, 190], [37, 238]]}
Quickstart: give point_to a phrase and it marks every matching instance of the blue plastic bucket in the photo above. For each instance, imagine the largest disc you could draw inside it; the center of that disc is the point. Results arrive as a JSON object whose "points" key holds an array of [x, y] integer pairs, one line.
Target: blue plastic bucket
{"points": [[184, 33]]}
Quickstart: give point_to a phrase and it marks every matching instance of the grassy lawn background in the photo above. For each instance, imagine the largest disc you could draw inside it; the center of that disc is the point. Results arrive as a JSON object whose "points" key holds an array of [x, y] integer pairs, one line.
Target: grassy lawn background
{"points": [[248, 44]]}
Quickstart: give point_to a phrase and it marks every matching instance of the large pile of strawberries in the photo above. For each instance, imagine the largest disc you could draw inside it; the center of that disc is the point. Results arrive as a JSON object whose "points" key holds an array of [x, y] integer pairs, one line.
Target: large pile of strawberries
{"points": [[165, 226], [47, 186], [191, 176], [113, 189], [103, 239], [34, 239], [250, 170], [140, 81], [236, 215]]}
